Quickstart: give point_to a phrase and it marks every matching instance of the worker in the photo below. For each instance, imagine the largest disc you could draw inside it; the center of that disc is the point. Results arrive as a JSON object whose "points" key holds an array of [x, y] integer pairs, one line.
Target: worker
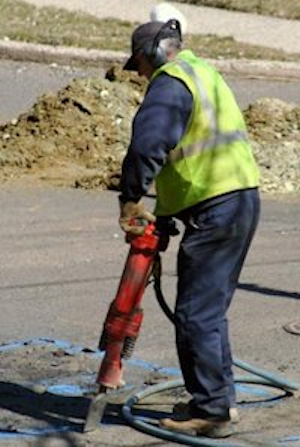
{"points": [[189, 136]]}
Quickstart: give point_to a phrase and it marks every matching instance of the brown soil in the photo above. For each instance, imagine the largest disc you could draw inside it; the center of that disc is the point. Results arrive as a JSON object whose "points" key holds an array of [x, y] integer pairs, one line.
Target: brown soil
{"points": [[274, 128], [78, 137]]}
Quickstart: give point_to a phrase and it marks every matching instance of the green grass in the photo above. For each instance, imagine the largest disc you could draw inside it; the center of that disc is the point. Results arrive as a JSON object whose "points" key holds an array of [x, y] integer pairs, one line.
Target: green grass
{"points": [[23, 22], [288, 9], [213, 47]]}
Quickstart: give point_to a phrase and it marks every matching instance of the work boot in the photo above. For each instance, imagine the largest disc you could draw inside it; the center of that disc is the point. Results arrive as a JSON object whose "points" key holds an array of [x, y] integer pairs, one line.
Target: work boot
{"points": [[183, 409], [199, 427]]}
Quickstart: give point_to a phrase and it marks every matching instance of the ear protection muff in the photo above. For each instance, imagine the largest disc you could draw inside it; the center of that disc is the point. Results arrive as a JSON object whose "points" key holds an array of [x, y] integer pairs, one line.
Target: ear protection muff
{"points": [[154, 53]]}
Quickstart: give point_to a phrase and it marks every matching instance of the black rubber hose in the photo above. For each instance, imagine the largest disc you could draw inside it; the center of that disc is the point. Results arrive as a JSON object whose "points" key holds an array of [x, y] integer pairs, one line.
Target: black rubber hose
{"points": [[269, 377], [148, 427]]}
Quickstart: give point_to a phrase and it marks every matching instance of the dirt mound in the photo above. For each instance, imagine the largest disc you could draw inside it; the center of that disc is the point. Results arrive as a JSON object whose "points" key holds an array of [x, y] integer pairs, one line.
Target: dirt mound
{"points": [[272, 120], [78, 137], [274, 129]]}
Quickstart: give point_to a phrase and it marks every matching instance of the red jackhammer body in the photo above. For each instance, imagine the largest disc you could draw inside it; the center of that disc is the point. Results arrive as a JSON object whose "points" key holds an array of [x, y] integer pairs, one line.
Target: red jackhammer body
{"points": [[124, 318]]}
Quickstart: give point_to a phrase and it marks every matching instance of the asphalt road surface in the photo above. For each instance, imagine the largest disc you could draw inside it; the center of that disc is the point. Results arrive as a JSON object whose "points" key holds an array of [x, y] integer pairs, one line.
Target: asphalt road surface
{"points": [[62, 254], [22, 83]]}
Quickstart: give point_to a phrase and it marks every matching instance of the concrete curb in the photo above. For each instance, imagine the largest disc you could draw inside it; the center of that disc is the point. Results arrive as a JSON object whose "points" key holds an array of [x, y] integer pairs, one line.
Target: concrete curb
{"points": [[21, 51]]}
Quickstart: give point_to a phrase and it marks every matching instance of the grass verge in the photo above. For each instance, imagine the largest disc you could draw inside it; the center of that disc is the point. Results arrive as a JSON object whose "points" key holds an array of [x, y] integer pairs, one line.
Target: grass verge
{"points": [[288, 9], [23, 22]]}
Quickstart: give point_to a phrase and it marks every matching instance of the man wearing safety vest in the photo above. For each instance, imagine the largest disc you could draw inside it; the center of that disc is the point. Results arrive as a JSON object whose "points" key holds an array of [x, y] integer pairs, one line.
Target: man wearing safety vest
{"points": [[190, 137]]}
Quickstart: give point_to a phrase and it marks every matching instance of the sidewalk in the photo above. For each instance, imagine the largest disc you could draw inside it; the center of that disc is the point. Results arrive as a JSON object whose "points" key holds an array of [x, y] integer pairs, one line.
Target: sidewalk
{"points": [[248, 28]]}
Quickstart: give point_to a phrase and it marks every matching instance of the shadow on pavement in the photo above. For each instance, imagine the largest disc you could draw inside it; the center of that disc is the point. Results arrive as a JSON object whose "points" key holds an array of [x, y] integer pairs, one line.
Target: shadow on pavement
{"points": [[62, 413], [269, 291], [56, 411]]}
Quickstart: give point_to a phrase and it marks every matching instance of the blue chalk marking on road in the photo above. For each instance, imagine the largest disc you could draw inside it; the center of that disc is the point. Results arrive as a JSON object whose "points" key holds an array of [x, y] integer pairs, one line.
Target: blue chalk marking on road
{"points": [[65, 390], [66, 386]]}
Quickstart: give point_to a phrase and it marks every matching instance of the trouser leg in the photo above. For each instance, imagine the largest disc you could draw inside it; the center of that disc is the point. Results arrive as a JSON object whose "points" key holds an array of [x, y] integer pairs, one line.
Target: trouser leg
{"points": [[210, 259], [227, 364]]}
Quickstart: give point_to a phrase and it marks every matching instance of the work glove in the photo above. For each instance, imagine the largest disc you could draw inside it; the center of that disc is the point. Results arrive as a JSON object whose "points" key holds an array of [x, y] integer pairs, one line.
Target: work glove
{"points": [[134, 217]]}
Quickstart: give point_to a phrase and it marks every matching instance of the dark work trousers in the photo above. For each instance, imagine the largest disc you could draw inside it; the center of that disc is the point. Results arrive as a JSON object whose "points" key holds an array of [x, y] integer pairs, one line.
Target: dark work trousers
{"points": [[217, 237]]}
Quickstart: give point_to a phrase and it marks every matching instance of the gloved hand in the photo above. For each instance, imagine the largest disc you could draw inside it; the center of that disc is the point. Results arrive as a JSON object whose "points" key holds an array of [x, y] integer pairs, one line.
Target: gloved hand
{"points": [[134, 217]]}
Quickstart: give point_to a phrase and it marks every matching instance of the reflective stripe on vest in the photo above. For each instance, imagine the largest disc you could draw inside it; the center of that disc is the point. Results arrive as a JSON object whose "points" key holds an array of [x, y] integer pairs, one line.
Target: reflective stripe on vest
{"points": [[210, 143], [218, 138]]}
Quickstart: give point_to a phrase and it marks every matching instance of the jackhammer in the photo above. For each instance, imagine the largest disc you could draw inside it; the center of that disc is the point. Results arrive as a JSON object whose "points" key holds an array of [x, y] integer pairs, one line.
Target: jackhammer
{"points": [[121, 329], [124, 317]]}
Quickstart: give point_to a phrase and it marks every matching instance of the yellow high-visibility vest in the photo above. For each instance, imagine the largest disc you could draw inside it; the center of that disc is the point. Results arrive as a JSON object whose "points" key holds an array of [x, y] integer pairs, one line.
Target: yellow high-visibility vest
{"points": [[214, 155]]}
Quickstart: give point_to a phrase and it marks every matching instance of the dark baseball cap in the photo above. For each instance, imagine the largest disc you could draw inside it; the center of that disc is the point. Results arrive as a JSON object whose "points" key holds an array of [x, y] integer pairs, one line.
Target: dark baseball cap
{"points": [[146, 34]]}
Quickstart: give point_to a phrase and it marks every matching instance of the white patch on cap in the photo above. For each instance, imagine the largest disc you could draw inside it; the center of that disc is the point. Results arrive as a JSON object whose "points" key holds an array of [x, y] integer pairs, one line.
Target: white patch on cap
{"points": [[164, 12]]}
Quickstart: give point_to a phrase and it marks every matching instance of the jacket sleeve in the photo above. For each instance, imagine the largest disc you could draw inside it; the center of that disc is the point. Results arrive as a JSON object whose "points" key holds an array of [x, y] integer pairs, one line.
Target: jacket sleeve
{"points": [[157, 128]]}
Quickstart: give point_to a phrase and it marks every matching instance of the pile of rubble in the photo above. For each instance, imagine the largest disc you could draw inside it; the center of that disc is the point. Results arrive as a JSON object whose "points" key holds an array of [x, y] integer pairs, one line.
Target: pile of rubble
{"points": [[79, 136], [274, 129]]}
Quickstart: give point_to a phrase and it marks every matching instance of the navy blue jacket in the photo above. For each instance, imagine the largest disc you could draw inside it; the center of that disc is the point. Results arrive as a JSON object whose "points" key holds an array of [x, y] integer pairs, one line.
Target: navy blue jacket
{"points": [[157, 128]]}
